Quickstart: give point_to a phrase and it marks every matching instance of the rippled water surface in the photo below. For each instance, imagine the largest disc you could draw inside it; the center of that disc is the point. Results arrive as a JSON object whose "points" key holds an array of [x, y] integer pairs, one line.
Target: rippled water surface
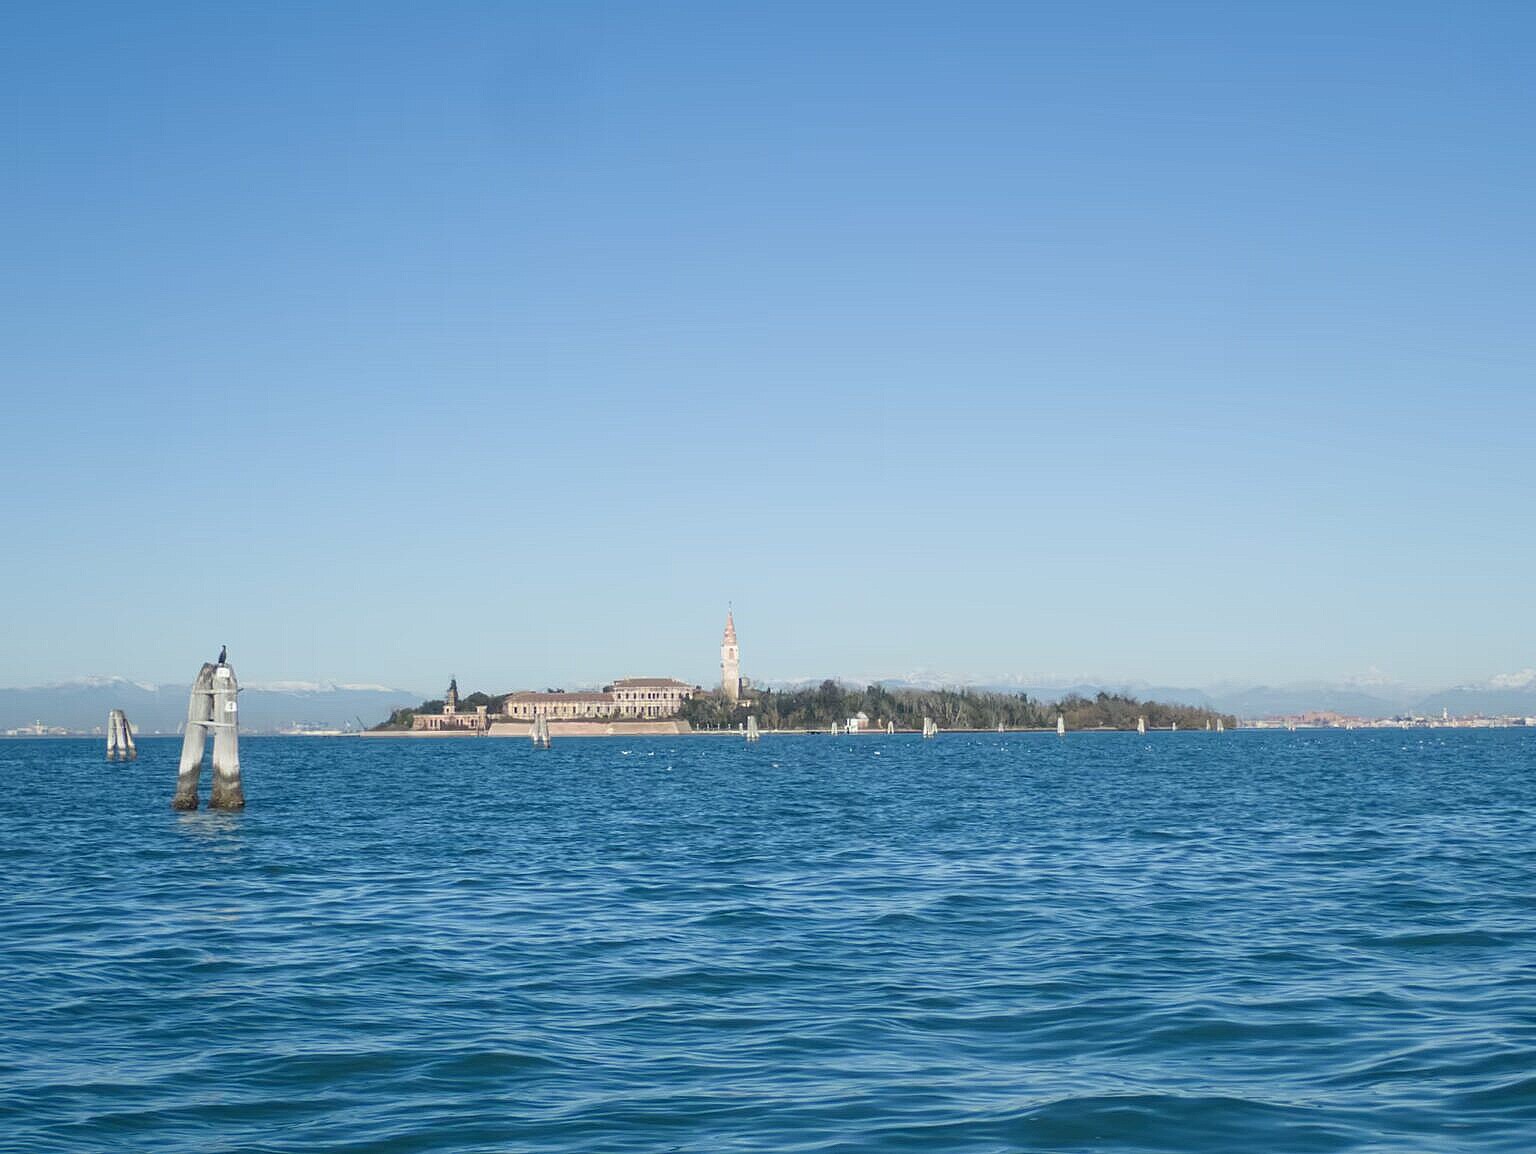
{"points": [[1252, 942]]}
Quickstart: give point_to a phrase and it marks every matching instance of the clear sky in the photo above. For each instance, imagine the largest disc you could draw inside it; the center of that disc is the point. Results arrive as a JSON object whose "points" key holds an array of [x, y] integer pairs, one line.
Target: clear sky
{"points": [[1182, 342]]}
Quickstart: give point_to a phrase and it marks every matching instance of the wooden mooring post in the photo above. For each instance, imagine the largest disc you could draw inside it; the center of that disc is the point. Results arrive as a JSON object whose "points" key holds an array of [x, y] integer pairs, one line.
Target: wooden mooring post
{"points": [[120, 746], [212, 706]]}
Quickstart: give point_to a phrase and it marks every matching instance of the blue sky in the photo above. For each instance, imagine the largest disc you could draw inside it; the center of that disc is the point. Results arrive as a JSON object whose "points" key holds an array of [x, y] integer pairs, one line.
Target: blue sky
{"points": [[1180, 342]]}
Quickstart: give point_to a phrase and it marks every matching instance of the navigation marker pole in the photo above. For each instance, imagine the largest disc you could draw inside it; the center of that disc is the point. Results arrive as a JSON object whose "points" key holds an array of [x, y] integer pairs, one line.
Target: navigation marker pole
{"points": [[212, 706], [120, 746]]}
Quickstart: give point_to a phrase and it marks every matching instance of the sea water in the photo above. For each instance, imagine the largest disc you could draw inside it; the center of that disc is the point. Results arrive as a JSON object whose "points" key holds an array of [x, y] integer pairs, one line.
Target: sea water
{"points": [[1262, 942]]}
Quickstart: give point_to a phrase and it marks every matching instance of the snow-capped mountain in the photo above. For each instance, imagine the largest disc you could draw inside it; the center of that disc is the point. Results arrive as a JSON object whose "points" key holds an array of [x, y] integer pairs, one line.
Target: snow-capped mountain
{"points": [[83, 704], [1504, 694]]}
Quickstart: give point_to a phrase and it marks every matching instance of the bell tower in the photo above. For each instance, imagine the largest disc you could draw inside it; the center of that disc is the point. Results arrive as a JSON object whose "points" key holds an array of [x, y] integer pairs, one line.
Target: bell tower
{"points": [[730, 661], [451, 701]]}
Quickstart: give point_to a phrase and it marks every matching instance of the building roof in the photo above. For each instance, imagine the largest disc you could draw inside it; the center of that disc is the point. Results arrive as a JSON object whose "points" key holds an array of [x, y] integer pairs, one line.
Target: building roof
{"points": [[580, 697], [730, 629], [651, 683]]}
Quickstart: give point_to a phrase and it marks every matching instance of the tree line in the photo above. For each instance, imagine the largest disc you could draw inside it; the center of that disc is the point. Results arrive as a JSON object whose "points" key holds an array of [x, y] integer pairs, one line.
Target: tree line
{"points": [[820, 706]]}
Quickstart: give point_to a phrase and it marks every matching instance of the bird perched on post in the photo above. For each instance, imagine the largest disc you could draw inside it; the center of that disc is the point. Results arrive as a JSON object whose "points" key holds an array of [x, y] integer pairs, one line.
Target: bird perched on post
{"points": [[223, 653]]}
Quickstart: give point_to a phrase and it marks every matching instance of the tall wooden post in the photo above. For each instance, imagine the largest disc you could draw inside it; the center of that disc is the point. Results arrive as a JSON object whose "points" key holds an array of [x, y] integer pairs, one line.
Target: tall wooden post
{"points": [[120, 746], [199, 714], [227, 793]]}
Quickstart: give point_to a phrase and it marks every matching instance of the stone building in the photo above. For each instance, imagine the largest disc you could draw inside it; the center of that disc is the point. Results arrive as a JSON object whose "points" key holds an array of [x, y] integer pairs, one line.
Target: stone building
{"points": [[629, 697], [557, 704], [450, 718], [650, 696]]}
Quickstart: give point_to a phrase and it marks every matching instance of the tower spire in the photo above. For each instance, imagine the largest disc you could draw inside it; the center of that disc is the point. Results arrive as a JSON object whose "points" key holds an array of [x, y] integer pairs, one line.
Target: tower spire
{"points": [[730, 660]]}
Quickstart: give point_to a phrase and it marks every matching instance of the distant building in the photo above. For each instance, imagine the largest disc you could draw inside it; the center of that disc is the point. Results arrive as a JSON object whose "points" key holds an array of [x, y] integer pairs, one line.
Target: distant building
{"points": [[731, 681], [629, 697], [651, 696], [557, 704], [450, 718]]}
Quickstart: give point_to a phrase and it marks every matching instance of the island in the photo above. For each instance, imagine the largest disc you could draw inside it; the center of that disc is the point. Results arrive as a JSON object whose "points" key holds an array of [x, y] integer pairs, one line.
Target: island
{"points": [[662, 705], [665, 705]]}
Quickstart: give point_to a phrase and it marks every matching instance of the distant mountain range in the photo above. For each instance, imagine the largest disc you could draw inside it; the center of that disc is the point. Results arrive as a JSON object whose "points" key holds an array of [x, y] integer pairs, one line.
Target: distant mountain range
{"points": [[264, 708], [276, 706]]}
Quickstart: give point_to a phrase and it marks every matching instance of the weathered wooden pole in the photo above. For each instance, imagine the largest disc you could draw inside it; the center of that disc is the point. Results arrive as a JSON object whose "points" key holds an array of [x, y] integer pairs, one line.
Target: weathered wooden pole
{"points": [[227, 793], [199, 715], [120, 746], [212, 706]]}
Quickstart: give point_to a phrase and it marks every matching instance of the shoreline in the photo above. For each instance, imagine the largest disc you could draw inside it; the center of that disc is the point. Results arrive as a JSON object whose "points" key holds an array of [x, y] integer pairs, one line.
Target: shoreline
{"points": [[740, 734]]}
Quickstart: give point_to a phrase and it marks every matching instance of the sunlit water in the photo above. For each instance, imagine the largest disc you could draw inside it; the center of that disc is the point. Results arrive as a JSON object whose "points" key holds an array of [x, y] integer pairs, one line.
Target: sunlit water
{"points": [[1182, 942]]}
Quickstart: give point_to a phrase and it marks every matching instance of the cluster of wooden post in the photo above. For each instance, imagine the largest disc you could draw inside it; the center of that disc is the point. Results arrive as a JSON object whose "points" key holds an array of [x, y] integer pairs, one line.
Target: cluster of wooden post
{"points": [[540, 732], [930, 728], [752, 733], [212, 707], [120, 746]]}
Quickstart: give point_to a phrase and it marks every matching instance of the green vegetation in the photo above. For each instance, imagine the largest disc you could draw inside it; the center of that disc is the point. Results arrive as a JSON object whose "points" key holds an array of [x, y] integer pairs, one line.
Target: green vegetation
{"points": [[830, 702], [401, 718]]}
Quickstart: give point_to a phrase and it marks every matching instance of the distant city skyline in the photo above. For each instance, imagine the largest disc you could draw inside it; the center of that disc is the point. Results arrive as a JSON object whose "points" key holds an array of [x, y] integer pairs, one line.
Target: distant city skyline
{"points": [[1183, 344]]}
